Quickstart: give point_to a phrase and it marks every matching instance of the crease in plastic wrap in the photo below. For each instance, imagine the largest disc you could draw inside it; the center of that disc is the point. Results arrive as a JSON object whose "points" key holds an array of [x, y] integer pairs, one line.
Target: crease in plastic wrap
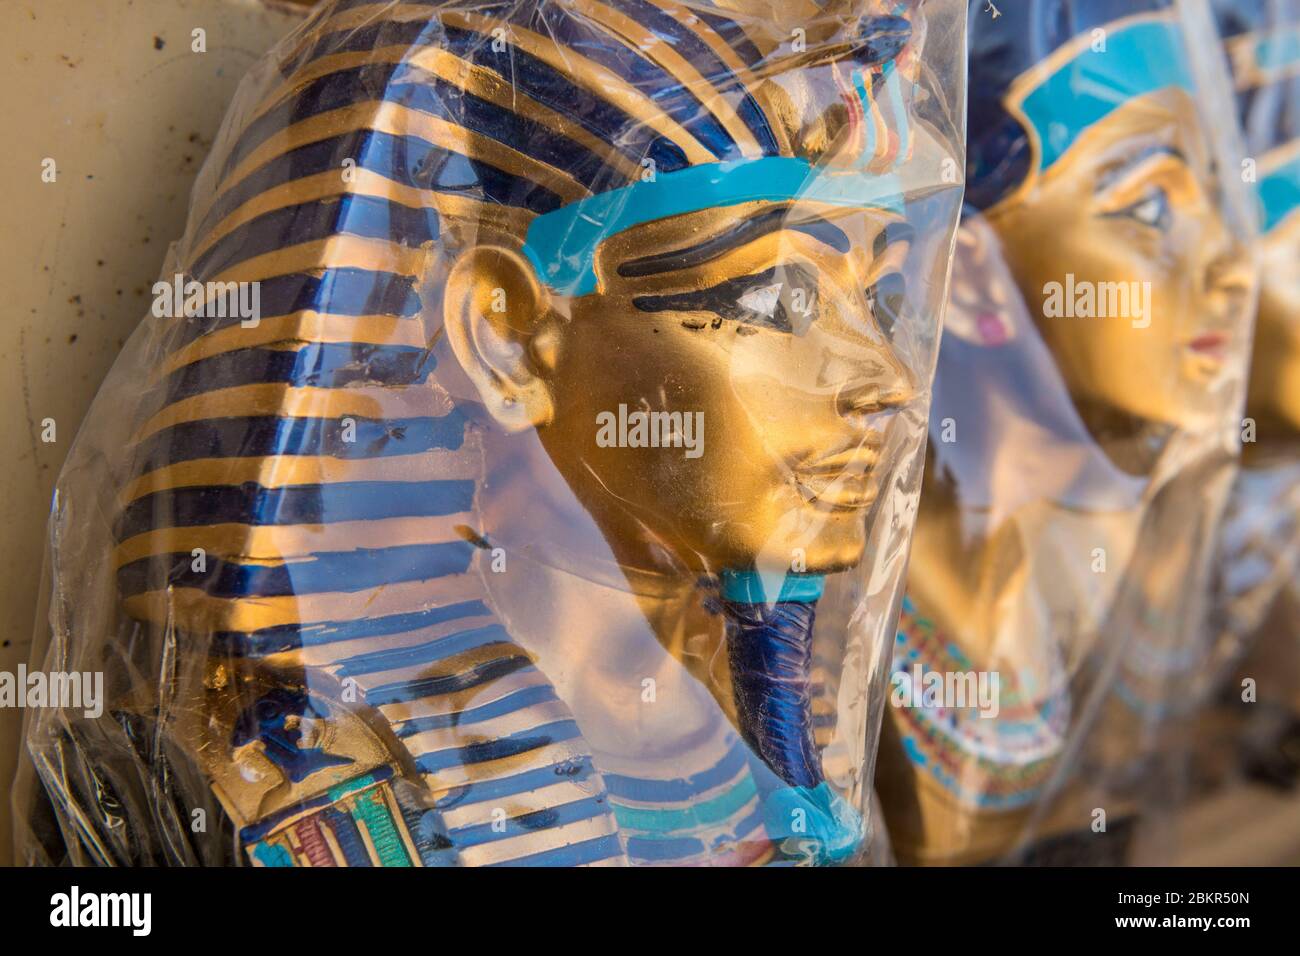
{"points": [[1084, 435], [1256, 723], [553, 508]]}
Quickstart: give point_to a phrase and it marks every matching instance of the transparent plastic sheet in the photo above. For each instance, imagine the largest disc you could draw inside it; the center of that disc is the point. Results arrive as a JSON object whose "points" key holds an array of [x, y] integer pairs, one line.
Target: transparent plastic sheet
{"points": [[1083, 439], [1256, 725], [543, 489]]}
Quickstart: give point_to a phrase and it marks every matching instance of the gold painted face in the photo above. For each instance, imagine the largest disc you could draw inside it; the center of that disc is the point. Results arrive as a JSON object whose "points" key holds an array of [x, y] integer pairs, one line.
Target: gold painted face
{"points": [[1133, 201], [1273, 399], [767, 329]]}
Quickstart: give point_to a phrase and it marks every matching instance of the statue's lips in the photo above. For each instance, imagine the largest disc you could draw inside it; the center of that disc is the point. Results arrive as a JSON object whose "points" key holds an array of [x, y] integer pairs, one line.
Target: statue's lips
{"points": [[1212, 345], [840, 481]]}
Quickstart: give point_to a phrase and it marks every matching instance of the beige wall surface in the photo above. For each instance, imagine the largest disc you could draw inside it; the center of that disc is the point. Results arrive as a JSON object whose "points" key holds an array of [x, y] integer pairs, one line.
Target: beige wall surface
{"points": [[115, 95]]}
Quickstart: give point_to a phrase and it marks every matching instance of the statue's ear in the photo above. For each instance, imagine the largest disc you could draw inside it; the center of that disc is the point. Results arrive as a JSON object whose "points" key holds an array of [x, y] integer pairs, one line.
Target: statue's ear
{"points": [[504, 334]]}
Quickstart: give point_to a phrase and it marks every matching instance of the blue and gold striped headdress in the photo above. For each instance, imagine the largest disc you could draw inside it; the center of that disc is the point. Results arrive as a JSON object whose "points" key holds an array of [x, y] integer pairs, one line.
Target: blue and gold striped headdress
{"points": [[566, 123], [1040, 79], [1262, 38]]}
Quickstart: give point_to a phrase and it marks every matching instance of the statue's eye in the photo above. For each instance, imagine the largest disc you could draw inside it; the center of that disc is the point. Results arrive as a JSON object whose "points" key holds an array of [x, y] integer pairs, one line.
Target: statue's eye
{"points": [[762, 305], [1151, 210], [762, 300]]}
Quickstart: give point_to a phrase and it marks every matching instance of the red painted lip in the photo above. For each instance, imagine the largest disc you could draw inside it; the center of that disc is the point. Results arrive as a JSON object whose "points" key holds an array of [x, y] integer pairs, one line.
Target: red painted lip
{"points": [[1213, 344]]}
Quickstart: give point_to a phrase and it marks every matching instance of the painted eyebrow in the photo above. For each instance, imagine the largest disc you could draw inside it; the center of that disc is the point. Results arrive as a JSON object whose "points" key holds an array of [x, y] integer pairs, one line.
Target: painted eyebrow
{"points": [[1121, 168], [712, 248]]}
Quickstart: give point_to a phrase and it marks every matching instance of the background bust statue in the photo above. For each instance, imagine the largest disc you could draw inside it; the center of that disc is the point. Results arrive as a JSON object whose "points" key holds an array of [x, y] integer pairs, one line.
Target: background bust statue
{"points": [[1258, 595], [1091, 368], [585, 356]]}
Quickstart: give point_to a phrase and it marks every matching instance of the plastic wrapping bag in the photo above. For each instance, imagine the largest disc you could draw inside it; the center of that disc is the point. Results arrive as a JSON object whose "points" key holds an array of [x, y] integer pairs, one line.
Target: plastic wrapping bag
{"points": [[1083, 438], [1257, 616], [519, 462]]}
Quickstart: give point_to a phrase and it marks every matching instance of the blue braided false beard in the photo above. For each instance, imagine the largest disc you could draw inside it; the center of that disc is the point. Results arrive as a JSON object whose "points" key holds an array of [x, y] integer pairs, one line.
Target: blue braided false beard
{"points": [[769, 648]]}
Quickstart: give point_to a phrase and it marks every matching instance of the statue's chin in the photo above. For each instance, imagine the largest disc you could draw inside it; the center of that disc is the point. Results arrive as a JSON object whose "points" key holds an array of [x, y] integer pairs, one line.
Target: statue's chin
{"points": [[837, 549]]}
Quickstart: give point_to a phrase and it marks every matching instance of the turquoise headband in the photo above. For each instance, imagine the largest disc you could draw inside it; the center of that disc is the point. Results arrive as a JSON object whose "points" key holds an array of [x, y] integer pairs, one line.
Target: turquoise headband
{"points": [[562, 244], [1279, 193], [1138, 59], [1279, 49]]}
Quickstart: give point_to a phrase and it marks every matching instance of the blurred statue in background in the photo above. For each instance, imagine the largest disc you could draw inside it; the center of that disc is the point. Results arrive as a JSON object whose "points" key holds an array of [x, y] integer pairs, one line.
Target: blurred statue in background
{"points": [[1258, 611], [1092, 349]]}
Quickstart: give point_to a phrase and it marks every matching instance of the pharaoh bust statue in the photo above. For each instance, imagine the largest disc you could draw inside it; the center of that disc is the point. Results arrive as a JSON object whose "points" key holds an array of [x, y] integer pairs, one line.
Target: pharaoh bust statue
{"points": [[1258, 593], [1090, 367], [585, 365]]}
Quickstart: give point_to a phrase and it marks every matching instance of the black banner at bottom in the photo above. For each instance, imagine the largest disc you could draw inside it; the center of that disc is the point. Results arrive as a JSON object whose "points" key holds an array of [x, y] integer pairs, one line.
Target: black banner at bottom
{"points": [[333, 908]]}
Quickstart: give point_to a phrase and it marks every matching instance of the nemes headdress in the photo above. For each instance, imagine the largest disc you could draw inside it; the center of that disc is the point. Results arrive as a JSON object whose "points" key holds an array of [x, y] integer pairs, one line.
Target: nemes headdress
{"points": [[1262, 39], [1041, 77], [565, 122]]}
